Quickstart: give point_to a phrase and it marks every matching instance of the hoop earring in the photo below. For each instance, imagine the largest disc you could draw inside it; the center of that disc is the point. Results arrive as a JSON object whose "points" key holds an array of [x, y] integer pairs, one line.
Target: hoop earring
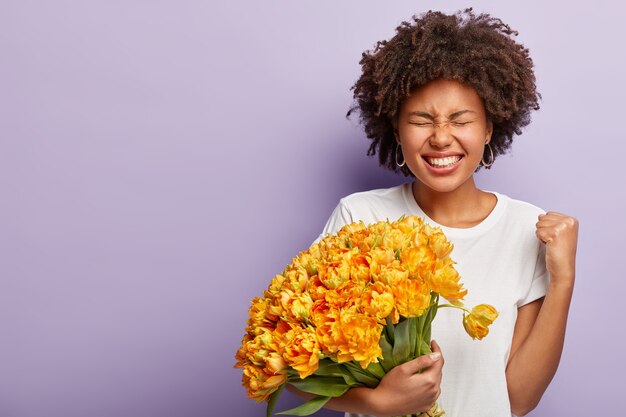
{"points": [[482, 161], [403, 160]]}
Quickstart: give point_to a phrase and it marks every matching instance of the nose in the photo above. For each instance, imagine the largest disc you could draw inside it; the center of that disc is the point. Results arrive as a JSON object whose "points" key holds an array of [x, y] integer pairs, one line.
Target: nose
{"points": [[441, 136]]}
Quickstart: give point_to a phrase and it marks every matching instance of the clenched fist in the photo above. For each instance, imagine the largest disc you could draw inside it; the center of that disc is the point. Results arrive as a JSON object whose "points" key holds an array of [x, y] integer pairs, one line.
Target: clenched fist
{"points": [[560, 234]]}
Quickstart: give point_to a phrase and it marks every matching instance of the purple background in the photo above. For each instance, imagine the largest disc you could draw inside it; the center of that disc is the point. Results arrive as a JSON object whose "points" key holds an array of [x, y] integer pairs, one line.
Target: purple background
{"points": [[160, 161]]}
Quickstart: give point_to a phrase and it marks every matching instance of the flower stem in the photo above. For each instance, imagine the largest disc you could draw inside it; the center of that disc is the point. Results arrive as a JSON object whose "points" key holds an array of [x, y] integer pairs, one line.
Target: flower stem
{"points": [[453, 306]]}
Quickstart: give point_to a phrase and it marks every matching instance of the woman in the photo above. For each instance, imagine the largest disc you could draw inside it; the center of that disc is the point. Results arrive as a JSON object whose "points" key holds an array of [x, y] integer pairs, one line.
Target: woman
{"points": [[439, 100]]}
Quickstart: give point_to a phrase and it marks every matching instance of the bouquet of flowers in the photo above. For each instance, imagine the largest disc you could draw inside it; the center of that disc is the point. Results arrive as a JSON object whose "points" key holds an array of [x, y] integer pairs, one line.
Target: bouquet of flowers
{"points": [[349, 309]]}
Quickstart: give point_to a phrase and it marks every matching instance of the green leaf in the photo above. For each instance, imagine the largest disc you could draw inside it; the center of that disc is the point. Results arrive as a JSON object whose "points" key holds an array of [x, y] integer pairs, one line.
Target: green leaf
{"points": [[413, 323], [426, 336], [308, 407], [402, 344], [376, 369], [390, 330], [272, 400], [387, 362], [362, 375], [329, 368], [425, 348], [322, 385]]}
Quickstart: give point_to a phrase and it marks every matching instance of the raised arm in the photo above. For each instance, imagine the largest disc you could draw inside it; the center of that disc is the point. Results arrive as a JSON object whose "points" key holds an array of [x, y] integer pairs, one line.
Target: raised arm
{"points": [[540, 328]]}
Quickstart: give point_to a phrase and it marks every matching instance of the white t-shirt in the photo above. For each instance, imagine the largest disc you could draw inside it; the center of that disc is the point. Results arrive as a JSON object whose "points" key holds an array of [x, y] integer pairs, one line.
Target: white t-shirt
{"points": [[501, 262]]}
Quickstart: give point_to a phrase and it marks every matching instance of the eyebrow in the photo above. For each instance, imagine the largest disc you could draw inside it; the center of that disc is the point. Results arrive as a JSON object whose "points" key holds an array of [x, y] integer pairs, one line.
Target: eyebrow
{"points": [[431, 117]]}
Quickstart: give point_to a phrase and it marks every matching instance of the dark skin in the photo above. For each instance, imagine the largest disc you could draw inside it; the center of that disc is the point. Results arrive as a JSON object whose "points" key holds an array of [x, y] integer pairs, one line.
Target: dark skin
{"points": [[454, 200], [478, 50], [447, 116], [401, 391]]}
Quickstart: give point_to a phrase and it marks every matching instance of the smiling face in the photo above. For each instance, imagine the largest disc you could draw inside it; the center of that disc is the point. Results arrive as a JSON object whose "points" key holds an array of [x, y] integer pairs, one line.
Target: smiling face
{"points": [[442, 128]]}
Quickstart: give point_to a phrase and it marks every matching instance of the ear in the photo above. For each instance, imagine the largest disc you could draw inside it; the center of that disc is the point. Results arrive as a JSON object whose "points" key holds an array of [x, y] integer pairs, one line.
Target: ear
{"points": [[396, 133], [489, 132]]}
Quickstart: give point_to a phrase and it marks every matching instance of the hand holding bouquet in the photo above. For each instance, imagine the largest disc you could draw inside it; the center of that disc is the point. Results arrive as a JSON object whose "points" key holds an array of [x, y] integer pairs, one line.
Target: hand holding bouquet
{"points": [[349, 309]]}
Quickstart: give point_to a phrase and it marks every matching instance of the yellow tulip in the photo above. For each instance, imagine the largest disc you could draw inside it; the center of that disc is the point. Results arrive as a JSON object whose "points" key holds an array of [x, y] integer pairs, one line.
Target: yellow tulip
{"points": [[377, 301], [335, 273], [274, 363], [444, 279], [345, 295], [316, 288], [408, 224], [394, 239], [412, 297], [477, 322], [360, 268], [261, 384], [438, 242], [356, 337], [296, 307], [392, 273], [334, 298], [418, 259], [302, 351]]}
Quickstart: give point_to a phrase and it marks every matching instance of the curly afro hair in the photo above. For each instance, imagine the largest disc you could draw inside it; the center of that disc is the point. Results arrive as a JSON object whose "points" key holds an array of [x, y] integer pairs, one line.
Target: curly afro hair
{"points": [[478, 51]]}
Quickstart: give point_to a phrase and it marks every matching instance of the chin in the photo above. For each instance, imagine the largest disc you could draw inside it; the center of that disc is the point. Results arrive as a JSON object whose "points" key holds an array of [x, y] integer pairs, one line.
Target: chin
{"points": [[446, 185]]}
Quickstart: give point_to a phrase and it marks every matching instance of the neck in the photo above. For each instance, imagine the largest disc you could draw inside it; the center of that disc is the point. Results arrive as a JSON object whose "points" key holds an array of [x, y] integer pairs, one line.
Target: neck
{"points": [[448, 208]]}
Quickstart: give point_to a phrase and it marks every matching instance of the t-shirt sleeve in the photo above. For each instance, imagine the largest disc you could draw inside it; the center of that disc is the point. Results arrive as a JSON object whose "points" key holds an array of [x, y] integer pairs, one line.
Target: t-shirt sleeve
{"points": [[340, 217], [541, 279]]}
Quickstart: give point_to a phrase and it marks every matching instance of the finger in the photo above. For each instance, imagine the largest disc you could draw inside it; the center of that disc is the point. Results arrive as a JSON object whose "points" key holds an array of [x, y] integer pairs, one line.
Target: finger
{"points": [[544, 235], [552, 214], [549, 219], [547, 225], [437, 349], [424, 361], [434, 346]]}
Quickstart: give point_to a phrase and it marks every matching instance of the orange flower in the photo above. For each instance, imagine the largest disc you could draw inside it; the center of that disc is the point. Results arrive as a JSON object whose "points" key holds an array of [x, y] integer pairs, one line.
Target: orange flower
{"points": [[334, 299], [242, 352], [348, 335], [436, 240], [412, 297], [377, 301], [256, 349], [258, 318], [418, 259], [319, 312], [316, 288], [408, 225], [444, 279], [392, 273], [308, 260], [360, 268], [345, 295], [261, 384], [395, 239], [379, 257], [352, 233], [274, 310], [302, 351], [295, 307], [274, 363], [477, 322], [325, 318], [296, 279], [335, 273], [275, 286]]}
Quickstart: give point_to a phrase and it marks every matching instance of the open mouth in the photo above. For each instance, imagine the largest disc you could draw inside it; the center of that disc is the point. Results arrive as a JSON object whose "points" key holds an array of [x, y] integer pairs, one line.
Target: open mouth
{"points": [[446, 162]]}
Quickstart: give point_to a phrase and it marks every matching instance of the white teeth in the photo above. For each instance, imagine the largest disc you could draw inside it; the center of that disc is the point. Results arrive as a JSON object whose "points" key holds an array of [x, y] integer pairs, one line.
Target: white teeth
{"points": [[444, 162]]}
